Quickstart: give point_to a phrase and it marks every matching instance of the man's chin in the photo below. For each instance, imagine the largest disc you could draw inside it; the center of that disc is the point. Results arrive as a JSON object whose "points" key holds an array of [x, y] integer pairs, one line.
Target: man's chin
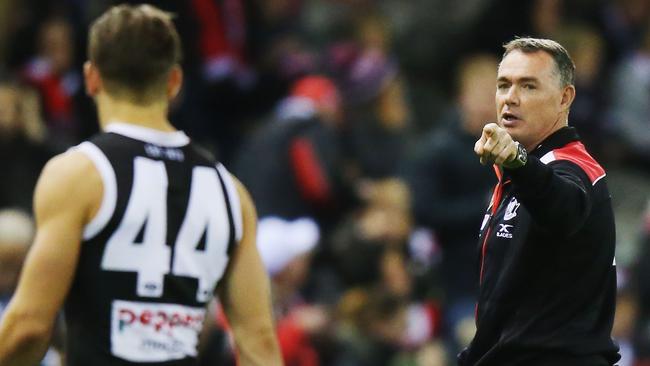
{"points": [[514, 132], [511, 130]]}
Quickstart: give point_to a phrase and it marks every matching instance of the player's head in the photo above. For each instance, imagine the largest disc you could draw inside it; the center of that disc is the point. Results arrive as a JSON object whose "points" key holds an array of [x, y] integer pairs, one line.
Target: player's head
{"points": [[534, 89], [133, 55]]}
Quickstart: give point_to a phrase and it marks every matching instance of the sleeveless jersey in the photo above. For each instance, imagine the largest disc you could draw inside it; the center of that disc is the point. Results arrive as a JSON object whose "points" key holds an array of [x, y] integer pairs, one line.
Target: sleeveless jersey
{"points": [[152, 255]]}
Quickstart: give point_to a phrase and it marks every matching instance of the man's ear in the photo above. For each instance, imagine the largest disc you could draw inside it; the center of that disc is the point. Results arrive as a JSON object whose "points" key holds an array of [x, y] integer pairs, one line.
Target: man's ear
{"points": [[568, 95], [174, 82], [92, 78]]}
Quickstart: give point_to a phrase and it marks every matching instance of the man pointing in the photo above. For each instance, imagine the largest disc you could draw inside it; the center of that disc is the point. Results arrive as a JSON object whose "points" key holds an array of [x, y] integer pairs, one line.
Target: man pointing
{"points": [[547, 274]]}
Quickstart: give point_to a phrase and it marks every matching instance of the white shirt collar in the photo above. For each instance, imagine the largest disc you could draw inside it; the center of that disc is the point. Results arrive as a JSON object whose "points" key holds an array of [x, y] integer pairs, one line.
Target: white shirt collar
{"points": [[150, 135]]}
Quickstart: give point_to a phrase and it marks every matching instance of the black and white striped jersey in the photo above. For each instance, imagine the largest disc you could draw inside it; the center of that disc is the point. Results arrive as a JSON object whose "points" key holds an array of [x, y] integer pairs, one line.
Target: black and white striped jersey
{"points": [[154, 252]]}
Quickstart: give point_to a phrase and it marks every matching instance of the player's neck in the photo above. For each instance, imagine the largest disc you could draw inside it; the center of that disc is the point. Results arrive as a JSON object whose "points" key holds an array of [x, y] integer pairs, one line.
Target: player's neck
{"points": [[152, 116]]}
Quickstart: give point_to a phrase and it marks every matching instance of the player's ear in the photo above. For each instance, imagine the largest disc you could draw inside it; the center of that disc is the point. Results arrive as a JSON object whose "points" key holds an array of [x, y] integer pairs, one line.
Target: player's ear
{"points": [[174, 82], [92, 78]]}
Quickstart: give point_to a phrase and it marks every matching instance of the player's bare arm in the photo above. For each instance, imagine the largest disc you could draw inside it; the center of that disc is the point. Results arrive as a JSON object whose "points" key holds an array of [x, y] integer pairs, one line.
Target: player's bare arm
{"points": [[249, 310], [67, 195]]}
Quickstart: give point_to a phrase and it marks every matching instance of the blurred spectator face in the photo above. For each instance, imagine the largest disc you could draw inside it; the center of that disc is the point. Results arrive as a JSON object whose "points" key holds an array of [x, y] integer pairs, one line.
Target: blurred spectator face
{"points": [[432, 354], [363, 73], [476, 92], [386, 216], [637, 11], [529, 96], [375, 313], [588, 58], [373, 33], [20, 113], [547, 17], [55, 44], [385, 319], [294, 274], [390, 192], [395, 276], [384, 224], [586, 47], [392, 108], [9, 116], [392, 328], [16, 231], [12, 256]]}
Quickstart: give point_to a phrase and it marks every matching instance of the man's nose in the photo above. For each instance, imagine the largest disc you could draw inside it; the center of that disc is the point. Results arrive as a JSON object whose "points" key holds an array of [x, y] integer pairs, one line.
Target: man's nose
{"points": [[512, 97]]}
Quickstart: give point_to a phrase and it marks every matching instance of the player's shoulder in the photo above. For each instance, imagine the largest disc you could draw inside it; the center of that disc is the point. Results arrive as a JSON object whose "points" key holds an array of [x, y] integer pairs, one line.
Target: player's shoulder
{"points": [[68, 179], [70, 167]]}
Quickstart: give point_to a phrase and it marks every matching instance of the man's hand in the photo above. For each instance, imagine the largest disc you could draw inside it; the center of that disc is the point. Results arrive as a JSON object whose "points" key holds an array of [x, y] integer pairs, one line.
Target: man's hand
{"points": [[495, 146]]}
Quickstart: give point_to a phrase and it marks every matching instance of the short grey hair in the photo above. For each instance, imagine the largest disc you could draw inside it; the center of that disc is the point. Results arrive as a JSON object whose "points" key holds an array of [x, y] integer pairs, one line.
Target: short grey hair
{"points": [[563, 62]]}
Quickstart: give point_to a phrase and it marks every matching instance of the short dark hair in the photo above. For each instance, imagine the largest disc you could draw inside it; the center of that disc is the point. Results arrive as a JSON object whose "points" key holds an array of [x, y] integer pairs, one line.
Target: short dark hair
{"points": [[134, 48], [563, 61]]}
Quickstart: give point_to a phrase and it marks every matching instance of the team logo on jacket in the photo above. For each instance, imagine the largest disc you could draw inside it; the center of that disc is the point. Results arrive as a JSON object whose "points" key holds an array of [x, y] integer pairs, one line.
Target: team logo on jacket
{"points": [[511, 209], [504, 231]]}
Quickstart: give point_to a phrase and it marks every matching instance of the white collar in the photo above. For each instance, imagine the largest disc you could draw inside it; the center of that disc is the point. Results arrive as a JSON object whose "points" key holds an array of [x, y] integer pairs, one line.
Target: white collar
{"points": [[150, 135]]}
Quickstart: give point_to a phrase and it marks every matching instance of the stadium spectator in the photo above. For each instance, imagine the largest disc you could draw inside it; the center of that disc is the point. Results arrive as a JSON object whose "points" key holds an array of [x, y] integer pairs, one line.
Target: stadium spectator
{"points": [[52, 72], [16, 234], [376, 135], [450, 187], [292, 164], [588, 112], [23, 150], [371, 327], [286, 248], [630, 110]]}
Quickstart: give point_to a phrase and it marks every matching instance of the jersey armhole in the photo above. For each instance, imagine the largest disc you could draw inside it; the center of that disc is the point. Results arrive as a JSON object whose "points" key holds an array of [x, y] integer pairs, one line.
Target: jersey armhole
{"points": [[109, 199], [233, 198]]}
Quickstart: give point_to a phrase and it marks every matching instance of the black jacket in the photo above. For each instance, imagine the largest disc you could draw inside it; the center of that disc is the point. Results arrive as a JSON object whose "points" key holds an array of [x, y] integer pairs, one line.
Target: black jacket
{"points": [[547, 270]]}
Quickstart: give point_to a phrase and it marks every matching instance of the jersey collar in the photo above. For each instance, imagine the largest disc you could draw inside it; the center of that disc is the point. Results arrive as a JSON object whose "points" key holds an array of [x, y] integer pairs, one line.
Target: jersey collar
{"points": [[156, 137]]}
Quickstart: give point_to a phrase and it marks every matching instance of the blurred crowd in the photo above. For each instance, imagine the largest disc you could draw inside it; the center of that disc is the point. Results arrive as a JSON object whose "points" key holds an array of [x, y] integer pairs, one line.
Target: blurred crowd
{"points": [[352, 123]]}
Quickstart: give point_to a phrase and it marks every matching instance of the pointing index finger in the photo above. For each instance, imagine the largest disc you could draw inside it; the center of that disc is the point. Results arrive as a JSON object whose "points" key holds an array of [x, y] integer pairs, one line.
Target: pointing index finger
{"points": [[489, 129]]}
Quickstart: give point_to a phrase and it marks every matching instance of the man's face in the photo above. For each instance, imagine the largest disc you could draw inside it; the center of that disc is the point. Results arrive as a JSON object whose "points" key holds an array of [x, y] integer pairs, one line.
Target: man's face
{"points": [[529, 97]]}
